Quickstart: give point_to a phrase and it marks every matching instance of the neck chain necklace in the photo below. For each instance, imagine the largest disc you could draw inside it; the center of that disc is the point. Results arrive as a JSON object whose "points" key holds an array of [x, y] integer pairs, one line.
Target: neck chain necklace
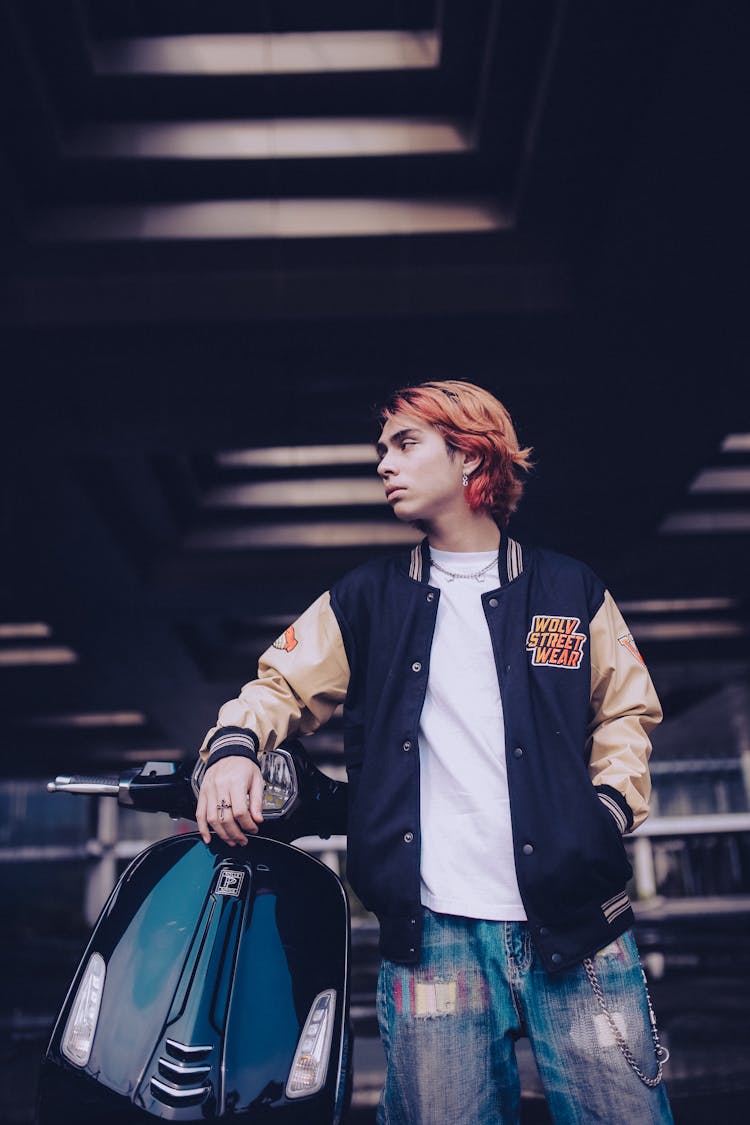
{"points": [[452, 574]]}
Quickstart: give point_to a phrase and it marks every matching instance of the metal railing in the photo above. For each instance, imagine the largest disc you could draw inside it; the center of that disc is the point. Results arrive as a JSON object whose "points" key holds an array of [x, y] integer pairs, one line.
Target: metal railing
{"points": [[106, 850]]}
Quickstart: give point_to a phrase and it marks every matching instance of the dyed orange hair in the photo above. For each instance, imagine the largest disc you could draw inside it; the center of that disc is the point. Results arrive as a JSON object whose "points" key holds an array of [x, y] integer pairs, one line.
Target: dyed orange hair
{"points": [[472, 421]]}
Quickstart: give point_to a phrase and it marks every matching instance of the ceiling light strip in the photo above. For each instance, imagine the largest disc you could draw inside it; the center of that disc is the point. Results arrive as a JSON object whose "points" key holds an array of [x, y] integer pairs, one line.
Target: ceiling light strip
{"points": [[677, 605], [297, 456], [92, 719], [706, 523], [696, 629], [311, 52], [27, 657], [24, 631], [318, 493], [267, 138], [736, 443], [724, 479], [302, 535], [217, 219]]}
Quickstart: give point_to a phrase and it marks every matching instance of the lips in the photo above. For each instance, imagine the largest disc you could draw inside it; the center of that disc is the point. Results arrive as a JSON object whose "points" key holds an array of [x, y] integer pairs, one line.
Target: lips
{"points": [[391, 492]]}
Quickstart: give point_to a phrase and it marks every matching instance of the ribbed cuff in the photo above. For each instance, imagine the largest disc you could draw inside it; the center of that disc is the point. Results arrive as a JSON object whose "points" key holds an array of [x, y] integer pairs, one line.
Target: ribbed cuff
{"points": [[616, 806], [233, 742], [227, 742]]}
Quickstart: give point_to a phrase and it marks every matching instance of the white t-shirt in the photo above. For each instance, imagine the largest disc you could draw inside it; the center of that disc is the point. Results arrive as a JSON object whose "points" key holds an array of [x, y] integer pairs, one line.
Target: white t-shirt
{"points": [[467, 864]]}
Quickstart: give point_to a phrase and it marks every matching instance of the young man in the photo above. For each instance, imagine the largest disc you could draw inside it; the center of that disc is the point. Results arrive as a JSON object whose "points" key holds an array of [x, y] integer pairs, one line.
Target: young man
{"points": [[497, 717]]}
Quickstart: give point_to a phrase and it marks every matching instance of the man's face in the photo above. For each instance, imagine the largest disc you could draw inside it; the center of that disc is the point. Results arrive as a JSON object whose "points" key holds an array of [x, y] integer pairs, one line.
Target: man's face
{"points": [[420, 476]]}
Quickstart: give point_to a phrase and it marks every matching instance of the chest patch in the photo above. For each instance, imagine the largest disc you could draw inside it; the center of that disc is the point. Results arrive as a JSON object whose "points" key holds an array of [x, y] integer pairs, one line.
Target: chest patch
{"points": [[554, 641]]}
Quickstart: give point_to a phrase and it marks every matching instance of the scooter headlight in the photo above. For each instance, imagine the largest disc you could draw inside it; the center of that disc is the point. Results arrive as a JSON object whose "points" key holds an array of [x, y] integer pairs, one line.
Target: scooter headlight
{"points": [[310, 1066], [84, 1013], [280, 778]]}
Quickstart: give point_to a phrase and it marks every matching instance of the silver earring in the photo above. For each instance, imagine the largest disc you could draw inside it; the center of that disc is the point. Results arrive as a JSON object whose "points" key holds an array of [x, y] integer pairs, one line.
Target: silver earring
{"points": [[464, 480]]}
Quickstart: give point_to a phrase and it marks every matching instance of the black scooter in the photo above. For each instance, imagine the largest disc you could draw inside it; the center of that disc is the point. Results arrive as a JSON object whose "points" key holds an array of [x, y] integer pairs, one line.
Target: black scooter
{"points": [[215, 984]]}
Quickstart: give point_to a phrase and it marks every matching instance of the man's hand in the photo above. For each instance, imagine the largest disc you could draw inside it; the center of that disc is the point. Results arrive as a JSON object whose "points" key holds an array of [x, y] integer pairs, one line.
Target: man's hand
{"points": [[230, 800]]}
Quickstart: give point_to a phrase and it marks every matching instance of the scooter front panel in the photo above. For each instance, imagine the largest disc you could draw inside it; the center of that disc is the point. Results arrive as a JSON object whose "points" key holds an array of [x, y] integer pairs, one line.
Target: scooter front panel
{"points": [[214, 956], [295, 947]]}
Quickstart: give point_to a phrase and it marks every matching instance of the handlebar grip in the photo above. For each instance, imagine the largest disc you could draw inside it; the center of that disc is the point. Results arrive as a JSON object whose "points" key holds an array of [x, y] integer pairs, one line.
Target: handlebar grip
{"points": [[85, 783]]}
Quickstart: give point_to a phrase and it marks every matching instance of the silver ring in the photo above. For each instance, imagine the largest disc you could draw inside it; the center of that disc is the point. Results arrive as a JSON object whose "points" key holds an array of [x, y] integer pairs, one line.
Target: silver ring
{"points": [[222, 805]]}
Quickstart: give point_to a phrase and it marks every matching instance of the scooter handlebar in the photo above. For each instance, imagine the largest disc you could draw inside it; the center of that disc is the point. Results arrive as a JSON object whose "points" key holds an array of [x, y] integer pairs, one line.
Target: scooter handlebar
{"points": [[85, 783], [318, 807], [153, 787]]}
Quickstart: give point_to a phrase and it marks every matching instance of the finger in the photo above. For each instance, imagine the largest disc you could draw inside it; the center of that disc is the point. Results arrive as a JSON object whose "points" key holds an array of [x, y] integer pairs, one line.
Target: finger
{"points": [[224, 824], [256, 790], [242, 815], [248, 811], [213, 815], [225, 829], [200, 816]]}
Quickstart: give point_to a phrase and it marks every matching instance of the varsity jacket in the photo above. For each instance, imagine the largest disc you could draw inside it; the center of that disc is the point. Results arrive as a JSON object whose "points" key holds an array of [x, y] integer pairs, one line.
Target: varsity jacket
{"points": [[578, 706]]}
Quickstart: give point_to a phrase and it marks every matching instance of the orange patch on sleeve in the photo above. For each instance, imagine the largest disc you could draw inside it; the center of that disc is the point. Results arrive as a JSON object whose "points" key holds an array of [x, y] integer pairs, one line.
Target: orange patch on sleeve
{"points": [[287, 641], [628, 643]]}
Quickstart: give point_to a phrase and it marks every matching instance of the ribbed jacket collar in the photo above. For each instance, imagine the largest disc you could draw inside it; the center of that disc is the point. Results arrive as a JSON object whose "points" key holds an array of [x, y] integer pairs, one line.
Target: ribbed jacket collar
{"points": [[510, 560]]}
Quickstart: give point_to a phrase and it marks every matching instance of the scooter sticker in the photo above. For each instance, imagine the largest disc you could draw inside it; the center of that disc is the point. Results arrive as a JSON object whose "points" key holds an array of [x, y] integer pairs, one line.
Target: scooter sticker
{"points": [[230, 882], [553, 641]]}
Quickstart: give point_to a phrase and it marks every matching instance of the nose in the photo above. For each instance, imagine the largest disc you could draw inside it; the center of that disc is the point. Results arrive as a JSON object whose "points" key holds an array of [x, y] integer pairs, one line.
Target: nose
{"points": [[384, 467]]}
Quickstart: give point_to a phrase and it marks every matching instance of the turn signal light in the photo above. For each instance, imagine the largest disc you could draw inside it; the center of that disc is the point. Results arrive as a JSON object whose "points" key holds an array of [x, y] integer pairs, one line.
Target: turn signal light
{"points": [[84, 1013], [310, 1065]]}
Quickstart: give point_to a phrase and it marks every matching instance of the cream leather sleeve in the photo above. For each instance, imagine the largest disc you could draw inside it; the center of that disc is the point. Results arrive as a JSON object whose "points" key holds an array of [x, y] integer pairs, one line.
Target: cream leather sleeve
{"points": [[625, 709], [301, 680]]}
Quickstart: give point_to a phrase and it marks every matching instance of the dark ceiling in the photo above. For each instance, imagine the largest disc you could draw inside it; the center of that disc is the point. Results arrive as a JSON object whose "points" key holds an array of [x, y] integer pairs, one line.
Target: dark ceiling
{"points": [[234, 227]]}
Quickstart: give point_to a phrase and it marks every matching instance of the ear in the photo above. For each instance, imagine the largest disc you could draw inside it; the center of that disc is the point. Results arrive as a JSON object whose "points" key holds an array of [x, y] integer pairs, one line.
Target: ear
{"points": [[471, 462]]}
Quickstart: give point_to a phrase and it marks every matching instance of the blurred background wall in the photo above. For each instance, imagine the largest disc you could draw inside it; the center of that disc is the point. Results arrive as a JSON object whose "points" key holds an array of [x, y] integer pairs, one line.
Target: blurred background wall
{"points": [[227, 232]]}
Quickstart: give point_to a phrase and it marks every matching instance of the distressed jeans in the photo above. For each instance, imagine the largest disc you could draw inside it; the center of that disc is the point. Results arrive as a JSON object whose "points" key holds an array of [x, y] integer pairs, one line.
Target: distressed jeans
{"points": [[449, 1027]]}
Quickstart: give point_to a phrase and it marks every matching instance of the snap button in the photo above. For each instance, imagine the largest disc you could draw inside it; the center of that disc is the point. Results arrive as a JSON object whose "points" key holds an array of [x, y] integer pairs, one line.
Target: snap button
{"points": [[406, 745], [408, 837], [518, 752], [412, 921], [544, 931], [494, 603], [528, 849], [556, 958], [416, 666], [430, 597]]}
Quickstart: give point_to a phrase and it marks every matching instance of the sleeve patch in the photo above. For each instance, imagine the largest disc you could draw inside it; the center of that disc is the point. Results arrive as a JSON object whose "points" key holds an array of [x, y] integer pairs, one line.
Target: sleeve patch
{"points": [[627, 642], [287, 642]]}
